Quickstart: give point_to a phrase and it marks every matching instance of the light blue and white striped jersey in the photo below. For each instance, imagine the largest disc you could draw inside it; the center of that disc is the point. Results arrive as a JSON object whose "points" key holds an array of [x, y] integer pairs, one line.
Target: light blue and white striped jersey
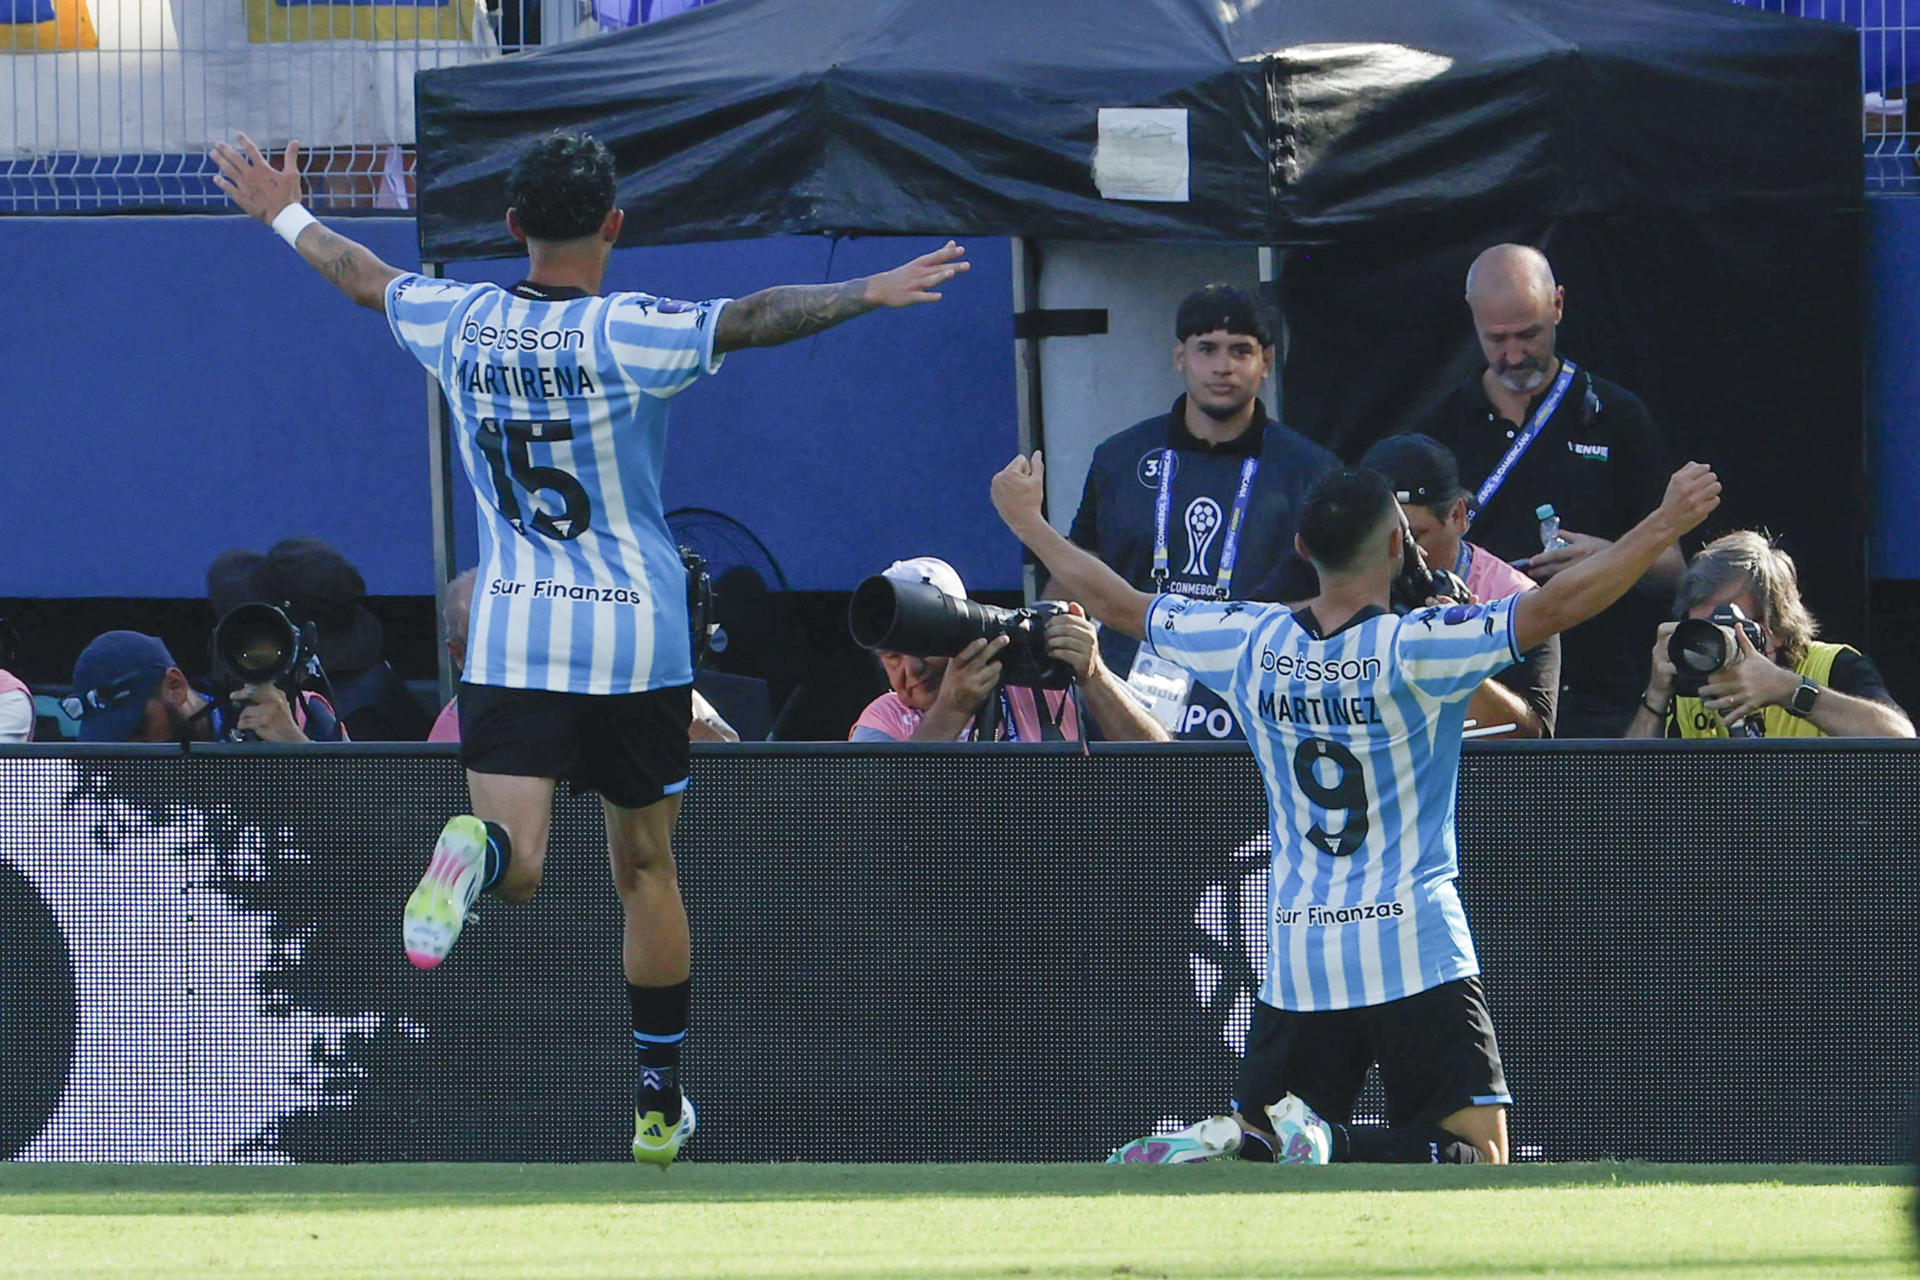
{"points": [[1358, 739], [560, 414]]}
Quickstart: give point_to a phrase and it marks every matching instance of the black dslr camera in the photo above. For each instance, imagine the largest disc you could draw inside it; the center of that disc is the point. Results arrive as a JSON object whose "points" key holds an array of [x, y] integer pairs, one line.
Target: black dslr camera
{"points": [[1699, 648], [1415, 584], [918, 618], [260, 644]]}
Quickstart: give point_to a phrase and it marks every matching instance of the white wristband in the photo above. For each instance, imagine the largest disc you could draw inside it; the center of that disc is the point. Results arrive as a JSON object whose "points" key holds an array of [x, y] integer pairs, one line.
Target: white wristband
{"points": [[291, 221]]}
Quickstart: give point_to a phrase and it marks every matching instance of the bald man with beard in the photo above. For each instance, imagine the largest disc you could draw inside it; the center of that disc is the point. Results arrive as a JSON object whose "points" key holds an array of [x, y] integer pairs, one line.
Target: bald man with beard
{"points": [[1535, 429]]}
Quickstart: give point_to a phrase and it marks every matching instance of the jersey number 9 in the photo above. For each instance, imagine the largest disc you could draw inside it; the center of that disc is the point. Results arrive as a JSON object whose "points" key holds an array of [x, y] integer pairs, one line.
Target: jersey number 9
{"points": [[1344, 791]]}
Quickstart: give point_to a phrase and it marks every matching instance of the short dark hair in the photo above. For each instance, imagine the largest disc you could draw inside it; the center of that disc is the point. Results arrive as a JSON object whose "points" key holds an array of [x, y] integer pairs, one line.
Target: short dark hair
{"points": [[1344, 508], [1221, 306], [562, 187]]}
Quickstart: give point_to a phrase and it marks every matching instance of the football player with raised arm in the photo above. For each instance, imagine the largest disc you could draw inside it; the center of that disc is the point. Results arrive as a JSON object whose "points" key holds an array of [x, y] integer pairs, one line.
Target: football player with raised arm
{"points": [[579, 661], [1354, 715]]}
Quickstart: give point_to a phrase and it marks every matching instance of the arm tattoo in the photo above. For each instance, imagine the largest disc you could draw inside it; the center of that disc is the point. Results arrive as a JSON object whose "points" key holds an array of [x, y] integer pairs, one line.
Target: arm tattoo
{"points": [[782, 314], [348, 266], [332, 255]]}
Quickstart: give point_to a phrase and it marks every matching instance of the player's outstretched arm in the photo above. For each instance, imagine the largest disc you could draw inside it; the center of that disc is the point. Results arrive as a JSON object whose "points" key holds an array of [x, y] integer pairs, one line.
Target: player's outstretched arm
{"points": [[1577, 593], [1077, 574], [266, 193], [789, 311]]}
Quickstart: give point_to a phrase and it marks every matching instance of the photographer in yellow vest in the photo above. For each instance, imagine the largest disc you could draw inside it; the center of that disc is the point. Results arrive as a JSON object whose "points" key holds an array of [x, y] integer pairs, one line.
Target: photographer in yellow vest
{"points": [[1756, 670]]}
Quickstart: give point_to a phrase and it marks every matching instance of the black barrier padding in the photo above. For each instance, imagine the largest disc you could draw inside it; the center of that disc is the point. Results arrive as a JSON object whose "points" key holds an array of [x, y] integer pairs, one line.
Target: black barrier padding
{"points": [[967, 955]]}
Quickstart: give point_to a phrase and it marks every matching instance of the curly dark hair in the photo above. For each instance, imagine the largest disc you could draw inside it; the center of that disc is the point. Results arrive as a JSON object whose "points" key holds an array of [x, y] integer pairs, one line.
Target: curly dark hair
{"points": [[562, 187]]}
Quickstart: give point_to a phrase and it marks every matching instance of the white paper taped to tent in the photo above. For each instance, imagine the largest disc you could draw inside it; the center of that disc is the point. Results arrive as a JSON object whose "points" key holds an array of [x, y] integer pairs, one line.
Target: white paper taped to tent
{"points": [[1142, 154]]}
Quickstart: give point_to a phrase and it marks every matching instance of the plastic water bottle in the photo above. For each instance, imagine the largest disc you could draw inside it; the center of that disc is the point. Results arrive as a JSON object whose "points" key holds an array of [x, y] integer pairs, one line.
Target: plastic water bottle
{"points": [[1549, 528]]}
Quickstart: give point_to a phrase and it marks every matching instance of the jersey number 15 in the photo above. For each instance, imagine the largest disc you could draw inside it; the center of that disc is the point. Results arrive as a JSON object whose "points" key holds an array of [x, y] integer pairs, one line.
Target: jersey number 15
{"points": [[508, 446]]}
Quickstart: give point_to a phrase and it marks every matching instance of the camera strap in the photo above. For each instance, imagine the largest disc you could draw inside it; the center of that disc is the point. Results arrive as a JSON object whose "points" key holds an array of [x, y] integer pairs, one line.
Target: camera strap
{"points": [[1230, 543], [1498, 476], [1044, 716]]}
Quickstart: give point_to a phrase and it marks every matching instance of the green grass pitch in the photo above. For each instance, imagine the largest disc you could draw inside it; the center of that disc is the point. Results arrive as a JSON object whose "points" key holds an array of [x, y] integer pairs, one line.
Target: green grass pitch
{"points": [[906, 1222]]}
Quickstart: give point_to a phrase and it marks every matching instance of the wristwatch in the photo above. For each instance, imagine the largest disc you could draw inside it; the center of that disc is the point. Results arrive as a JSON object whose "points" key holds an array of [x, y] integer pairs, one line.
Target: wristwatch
{"points": [[1801, 704]]}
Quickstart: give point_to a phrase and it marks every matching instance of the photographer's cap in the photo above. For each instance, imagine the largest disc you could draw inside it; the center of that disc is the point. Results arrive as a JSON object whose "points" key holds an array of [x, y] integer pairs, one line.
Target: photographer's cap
{"points": [[1419, 468], [931, 570], [113, 678]]}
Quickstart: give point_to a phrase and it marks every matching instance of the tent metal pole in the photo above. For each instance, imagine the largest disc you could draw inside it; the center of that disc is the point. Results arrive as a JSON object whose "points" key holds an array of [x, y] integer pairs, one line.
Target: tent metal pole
{"points": [[1270, 286], [440, 501], [1026, 374]]}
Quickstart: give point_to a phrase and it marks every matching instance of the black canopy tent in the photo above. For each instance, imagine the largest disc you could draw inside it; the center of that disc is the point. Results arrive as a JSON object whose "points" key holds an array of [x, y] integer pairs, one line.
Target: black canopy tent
{"points": [[1309, 121], [1692, 167]]}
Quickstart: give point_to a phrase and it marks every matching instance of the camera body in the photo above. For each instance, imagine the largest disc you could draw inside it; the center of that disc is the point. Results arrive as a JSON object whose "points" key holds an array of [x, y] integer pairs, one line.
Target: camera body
{"points": [[1415, 584], [1700, 648], [918, 618]]}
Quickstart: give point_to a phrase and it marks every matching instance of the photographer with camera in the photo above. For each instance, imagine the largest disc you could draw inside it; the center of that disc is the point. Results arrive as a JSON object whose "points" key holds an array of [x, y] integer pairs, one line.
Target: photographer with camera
{"points": [[320, 589], [1738, 600], [968, 670], [1426, 481], [128, 688]]}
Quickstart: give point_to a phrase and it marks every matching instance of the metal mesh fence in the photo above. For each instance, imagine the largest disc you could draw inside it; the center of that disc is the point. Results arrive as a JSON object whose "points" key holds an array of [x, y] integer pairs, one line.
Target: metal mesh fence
{"points": [[112, 104], [1889, 63]]}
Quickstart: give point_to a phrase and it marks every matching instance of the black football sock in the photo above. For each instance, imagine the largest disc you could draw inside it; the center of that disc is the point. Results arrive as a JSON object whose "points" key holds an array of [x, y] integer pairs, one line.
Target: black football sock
{"points": [[499, 854], [1418, 1144], [659, 1028]]}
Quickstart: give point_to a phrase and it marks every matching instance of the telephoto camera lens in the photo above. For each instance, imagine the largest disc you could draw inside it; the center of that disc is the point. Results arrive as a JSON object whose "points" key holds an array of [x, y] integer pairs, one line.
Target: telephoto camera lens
{"points": [[257, 643], [920, 619]]}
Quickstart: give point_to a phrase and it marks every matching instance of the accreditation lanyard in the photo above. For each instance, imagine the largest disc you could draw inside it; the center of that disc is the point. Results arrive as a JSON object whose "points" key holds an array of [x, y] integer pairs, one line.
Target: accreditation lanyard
{"points": [[1498, 476], [1229, 547]]}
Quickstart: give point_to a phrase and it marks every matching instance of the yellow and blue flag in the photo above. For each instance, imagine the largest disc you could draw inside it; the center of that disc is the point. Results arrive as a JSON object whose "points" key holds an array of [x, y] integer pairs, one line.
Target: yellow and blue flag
{"points": [[46, 26]]}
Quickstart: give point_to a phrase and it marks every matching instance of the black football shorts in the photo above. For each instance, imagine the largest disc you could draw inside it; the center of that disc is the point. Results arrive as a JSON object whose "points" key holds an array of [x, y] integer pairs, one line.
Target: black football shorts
{"points": [[629, 747], [1436, 1052]]}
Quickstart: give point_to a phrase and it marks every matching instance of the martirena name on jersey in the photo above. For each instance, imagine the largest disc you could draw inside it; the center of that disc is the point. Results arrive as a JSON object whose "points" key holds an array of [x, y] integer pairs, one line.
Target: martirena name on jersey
{"points": [[518, 380]]}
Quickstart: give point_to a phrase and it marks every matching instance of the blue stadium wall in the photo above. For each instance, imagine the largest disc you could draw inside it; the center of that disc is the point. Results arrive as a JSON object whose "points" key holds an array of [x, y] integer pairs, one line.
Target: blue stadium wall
{"points": [[182, 385]]}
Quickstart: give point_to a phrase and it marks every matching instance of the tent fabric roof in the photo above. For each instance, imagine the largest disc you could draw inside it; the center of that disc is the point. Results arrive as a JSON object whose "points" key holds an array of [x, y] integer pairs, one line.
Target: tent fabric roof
{"points": [[1308, 120]]}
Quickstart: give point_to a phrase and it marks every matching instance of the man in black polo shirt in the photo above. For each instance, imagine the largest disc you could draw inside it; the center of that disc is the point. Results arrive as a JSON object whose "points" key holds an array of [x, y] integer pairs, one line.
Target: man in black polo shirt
{"points": [[1534, 430], [1202, 500]]}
